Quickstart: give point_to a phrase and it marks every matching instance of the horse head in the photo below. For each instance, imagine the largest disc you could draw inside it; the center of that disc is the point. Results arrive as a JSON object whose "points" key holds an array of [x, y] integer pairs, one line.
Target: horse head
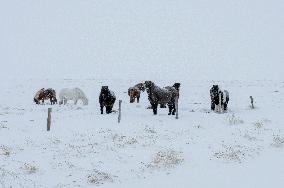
{"points": [[149, 84], [141, 86], [36, 101], [131, 93], [104, 92], [176, 86]]}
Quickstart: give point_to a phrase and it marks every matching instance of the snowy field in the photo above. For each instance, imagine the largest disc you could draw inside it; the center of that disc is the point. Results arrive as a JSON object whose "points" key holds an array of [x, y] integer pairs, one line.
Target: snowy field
{"points": [[237, 44], [241, 148]]}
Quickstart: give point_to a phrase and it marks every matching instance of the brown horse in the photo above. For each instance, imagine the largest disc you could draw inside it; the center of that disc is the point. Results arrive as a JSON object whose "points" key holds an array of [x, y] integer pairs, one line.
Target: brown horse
{"points": [[45, 94], [135, 91]]}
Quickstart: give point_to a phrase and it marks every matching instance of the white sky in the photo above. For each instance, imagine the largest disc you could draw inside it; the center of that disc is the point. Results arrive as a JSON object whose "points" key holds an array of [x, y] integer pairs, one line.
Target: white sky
{"points": [[227, 39]]}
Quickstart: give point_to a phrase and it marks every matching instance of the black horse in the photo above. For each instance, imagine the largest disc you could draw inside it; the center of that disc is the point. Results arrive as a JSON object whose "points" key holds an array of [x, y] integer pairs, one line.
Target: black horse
{"points": [[215, 94], [107, 99], [157, 95]]}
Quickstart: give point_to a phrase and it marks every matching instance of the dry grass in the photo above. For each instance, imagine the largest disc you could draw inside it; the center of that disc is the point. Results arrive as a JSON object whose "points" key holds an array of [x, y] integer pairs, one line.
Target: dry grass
{"points": [[30, 168], [99, 178], [4, 150], [122, 141], [235, 153], [259, 124], [234, 120], [166, 159], [278, 141]]}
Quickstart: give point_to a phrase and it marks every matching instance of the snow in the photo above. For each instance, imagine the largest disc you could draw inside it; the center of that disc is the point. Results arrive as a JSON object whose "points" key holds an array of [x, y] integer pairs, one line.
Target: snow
{"points": [[241, 148], [240, 40], [91, 43]]}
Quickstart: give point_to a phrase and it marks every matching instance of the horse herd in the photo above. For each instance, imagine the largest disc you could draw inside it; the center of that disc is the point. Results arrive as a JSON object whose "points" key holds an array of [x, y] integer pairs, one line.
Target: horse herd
{"points": [[168, 95]]}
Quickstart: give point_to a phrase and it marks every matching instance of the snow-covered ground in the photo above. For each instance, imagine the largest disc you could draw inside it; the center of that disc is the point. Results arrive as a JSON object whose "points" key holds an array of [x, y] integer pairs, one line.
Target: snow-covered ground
{"points": [[89, 43], [241, 148]]}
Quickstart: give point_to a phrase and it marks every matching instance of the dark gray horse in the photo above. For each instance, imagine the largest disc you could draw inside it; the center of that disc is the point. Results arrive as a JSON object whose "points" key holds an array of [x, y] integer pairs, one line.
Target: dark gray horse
{"points": [[215, 94], [157, 95], [135, 91], [177, 87]]}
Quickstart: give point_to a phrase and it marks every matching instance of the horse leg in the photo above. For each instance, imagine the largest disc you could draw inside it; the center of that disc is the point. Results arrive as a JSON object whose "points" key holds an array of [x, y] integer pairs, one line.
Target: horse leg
{"points": [[110, 109], [174, 109], [138, 99], [102, 109], [155, 108], [75, 102], [212, 106], [170, 108], [225, 106], [107, 109]]}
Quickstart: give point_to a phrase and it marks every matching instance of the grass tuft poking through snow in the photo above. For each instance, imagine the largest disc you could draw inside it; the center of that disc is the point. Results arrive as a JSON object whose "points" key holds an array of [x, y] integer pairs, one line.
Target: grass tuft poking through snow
{"points": [[99, 178], [167, 158], [259, 124], [4, 150], [235, 153], [30, 168], [278, 141], [234, 120]]}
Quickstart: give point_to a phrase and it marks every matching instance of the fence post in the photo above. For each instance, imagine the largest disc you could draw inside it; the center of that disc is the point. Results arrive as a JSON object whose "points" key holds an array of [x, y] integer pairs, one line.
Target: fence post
{"points": [[251, 101], [176, 103], [119, 111], [49, 119]]}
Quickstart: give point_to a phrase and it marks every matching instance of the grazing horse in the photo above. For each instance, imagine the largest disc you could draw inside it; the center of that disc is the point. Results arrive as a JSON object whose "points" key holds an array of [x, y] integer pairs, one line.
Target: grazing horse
{"points": [[135, 91], [45, 94], [107, 99], [73, 94], [221, 103], [157, 95]]}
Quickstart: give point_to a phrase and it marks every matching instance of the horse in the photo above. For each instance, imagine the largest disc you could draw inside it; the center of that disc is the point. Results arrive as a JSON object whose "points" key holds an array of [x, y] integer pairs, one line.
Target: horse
{"points": [[73, 94], [107, 99], [219, 98], [157, 95], [45, 94], [177, 87], [135, 91]]}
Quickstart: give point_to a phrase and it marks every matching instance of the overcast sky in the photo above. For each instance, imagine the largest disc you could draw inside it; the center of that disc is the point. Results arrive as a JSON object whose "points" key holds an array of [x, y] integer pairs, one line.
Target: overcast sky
{"points": [[226, 39]]}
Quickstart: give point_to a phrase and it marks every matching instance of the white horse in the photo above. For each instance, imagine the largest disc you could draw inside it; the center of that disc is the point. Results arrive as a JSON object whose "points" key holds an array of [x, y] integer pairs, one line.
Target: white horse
{"points": [[74, 94]]}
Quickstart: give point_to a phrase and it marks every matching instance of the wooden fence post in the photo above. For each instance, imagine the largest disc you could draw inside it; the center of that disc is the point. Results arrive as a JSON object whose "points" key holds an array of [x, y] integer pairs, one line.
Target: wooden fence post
{"points": [[176, 103], [251, 101], [119, 111], [49, 119]]}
